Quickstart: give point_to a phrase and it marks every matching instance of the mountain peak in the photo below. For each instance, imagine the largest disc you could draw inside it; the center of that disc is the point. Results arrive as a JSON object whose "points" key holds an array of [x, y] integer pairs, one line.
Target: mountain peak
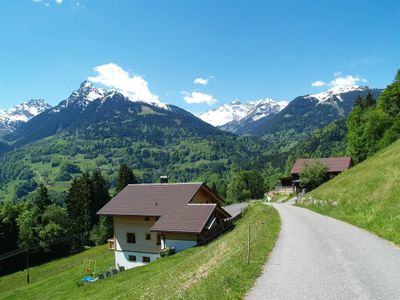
{"points": [[336, 91], [11, 118], [86, 85], [237, 111], [236, 102]]}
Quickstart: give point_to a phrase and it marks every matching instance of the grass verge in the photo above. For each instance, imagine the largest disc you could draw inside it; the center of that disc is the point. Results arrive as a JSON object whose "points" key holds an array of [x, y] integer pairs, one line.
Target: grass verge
{"points": [[367, 195], [218, 270]]}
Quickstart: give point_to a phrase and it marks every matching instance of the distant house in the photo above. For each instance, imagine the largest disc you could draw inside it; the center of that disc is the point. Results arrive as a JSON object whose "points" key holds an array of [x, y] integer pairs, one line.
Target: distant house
{"points": [[336, 165], [148, 218]]}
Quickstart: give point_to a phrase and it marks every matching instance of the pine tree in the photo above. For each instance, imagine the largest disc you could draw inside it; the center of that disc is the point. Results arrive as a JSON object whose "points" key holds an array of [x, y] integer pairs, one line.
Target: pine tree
{"points": [[356, 144], [125, 177], [369, 101], [78, 204], [99, 194], [42, 199], [359, 102], [389, 99]]}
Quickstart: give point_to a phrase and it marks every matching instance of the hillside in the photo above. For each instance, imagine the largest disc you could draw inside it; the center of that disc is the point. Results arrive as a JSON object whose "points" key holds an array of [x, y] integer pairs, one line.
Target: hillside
{"points": [[98, 128], [218, 270], [181, 160], [367, 195]]}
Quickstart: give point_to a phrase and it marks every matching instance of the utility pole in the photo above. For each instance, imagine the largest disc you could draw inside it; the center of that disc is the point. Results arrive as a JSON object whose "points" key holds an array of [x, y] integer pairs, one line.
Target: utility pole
{"points": [[27, 266]]}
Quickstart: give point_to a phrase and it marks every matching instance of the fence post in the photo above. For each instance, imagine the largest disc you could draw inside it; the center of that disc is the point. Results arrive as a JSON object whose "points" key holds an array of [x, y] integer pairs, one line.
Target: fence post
{"points": [[248, 246], [27, 266]]}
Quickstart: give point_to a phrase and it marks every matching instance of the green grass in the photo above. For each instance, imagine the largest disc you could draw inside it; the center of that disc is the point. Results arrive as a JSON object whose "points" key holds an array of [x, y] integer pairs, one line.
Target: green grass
{"points": [[218, 270], [282, 197], [367, 195]]}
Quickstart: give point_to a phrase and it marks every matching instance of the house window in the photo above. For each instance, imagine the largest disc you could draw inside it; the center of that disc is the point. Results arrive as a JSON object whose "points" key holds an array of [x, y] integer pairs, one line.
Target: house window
{"points": [[147, 218], [132, 257], [130, 238], [145, 259], [148, 237]]}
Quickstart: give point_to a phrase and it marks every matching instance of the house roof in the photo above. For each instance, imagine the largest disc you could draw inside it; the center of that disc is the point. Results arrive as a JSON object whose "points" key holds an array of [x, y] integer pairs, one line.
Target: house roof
{"points": [[334, 164], [170, 202], [191, 218]]}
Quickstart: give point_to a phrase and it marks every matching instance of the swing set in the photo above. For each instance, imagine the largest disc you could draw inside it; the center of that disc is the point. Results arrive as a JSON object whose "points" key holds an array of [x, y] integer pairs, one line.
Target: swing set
{"points": [[89, 268]]}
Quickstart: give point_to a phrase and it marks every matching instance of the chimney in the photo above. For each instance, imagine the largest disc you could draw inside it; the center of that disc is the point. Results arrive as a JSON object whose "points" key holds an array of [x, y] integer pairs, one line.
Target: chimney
{"points": [[163, 179]]}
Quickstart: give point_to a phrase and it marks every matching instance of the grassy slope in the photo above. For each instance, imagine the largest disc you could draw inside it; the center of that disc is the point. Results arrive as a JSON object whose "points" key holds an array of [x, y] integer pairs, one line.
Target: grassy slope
{"points": [[218, 270], [367, 195]]}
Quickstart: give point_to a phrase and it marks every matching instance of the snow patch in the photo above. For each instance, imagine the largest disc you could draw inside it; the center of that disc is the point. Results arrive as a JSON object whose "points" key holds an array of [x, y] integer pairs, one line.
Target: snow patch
{"points": [[335, 91], [237, 111]]}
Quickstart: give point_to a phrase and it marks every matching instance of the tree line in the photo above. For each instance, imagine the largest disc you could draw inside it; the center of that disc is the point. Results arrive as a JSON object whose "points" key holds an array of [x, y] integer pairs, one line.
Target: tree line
{"points": [[47, 229], [373, 125]]}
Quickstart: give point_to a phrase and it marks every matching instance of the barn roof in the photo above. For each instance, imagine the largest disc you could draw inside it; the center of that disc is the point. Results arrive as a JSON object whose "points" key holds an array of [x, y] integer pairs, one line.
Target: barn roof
{"points": [[334, 164], [168, 201]]}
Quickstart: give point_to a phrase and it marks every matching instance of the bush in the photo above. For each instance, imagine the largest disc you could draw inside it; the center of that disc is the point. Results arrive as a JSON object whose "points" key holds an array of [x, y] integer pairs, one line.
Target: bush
{"points": [[313, 175], [69, 168], [23, 188], [100, 233], [63, 176], [167, 252]]}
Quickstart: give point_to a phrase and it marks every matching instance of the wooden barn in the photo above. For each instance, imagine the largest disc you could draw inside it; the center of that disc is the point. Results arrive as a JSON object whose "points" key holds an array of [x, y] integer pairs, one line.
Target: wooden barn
{"points": [[335, 165]]}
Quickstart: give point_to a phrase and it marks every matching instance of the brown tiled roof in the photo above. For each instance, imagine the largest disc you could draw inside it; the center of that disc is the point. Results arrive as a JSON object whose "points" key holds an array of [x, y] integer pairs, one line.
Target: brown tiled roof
{"points": [[334, 164], [191, 218], [168, 201]]}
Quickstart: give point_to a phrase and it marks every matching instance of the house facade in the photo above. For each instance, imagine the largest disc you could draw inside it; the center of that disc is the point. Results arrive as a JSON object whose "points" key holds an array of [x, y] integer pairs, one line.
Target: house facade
{"points": [[148, 218], [335, 165]]}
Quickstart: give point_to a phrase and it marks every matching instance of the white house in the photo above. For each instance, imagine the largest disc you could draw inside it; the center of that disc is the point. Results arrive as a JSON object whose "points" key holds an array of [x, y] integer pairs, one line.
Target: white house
{"points": [[148, 218]]}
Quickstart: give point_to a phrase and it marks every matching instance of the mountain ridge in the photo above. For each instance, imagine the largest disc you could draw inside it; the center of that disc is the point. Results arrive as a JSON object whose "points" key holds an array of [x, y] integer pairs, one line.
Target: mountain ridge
{"points": [[13, 117], [89, 109], [307, 113], [234, 113]]}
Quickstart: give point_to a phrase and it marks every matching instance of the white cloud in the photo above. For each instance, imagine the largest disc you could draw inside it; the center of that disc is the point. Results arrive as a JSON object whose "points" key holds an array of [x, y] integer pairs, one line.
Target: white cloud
{"points": [[133, 86], [198, 98], [202, 81], [346, 81], [337, 73], [59, 1], [318, 83], [36, 1], [340, 81]]}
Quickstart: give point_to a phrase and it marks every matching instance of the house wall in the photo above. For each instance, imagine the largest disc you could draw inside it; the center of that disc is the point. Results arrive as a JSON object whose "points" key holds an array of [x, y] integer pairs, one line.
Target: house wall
{"points": [[202, 197], [142, 247], [136, 225], [122, 258]]}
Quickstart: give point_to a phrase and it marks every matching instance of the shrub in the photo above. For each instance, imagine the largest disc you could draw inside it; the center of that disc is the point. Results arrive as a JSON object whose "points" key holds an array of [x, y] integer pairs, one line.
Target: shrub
{"points": [[313, 175]]}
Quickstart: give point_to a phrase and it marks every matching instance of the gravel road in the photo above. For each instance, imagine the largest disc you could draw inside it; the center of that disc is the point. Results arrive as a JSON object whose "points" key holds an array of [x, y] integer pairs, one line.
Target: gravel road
{"points": [[317, 257]]}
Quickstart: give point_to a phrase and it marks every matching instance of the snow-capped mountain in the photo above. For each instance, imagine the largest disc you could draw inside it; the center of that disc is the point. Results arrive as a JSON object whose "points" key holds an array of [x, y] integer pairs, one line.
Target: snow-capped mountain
{"points": [[334, 93], [97, 113], [236, 112], [306, 113], [15, 116], [87, 93]]}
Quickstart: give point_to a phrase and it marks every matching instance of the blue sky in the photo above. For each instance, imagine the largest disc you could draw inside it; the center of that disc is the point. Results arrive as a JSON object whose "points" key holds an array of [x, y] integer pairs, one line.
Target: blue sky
{"points": [[245, 50]]}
